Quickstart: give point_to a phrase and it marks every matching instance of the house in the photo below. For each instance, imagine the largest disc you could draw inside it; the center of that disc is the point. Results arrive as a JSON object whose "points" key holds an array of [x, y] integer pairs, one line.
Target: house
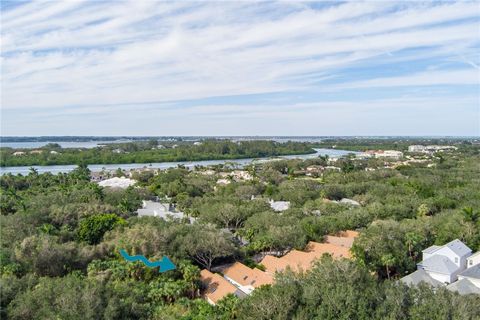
{"points": [[473, 260], [216, 287], [161, 210], [444, 263], [430, 148], [314, 171], [223, 181], [245, 278], [279, 205], [472, 274], [117, 182], [346, 201], [18, 153], [337, 252], [300, 260], [241, 175], [273, 264], [463, 287], [297, 260], [420, 276], [416, 148], [346, 242], [392, 154]]}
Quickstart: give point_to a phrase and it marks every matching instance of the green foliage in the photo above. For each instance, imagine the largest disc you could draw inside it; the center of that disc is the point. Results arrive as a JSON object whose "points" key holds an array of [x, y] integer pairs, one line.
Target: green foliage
{"points": [[49, 270], [138, 152], [93, 228]]}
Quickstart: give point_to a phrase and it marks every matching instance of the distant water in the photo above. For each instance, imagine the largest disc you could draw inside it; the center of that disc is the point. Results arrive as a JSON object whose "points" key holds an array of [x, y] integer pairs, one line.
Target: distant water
{"points": [[332, 153]]}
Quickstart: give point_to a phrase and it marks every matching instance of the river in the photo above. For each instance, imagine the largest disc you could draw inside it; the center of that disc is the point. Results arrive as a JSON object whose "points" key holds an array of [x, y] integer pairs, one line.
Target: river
{"points": [[332, 153]]}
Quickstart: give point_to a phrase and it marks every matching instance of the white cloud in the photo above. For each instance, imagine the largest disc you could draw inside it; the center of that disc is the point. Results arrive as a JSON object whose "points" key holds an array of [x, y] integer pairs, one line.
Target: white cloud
{"points": [[82, 53]]}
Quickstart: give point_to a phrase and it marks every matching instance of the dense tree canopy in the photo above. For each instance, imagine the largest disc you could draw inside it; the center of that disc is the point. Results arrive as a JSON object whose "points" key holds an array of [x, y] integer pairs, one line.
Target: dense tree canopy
{"points": [[61, 235]]}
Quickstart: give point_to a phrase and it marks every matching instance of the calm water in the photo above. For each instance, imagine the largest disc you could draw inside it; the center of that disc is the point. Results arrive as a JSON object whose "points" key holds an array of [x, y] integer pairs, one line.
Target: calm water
{"points": [[165, 165]]}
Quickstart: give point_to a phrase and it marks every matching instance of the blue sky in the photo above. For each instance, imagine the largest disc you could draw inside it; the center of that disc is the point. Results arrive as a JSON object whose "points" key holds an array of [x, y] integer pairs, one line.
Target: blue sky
{"points": [[240, 68]]}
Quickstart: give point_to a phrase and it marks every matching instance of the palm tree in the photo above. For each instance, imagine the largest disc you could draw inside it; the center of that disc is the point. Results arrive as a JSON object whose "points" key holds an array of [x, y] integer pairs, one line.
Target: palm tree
{"points": [[471, 215], [388, 260], [411, 239]]}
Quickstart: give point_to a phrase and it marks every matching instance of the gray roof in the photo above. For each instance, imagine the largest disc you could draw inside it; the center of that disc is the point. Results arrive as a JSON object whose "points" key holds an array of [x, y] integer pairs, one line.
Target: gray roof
{"points": [[463, 286], [431, 249], [474, 255], [458, 247], [472, 272], [440, 264], [419, 276]]}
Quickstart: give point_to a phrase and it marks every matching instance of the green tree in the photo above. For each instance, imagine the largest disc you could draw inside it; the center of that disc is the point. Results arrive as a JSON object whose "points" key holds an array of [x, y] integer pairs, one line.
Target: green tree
{"points": [[92, 229]]}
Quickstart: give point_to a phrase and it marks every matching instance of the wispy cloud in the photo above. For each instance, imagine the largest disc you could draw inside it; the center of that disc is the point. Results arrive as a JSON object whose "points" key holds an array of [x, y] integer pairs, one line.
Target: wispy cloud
{"points": [[113, 56]]}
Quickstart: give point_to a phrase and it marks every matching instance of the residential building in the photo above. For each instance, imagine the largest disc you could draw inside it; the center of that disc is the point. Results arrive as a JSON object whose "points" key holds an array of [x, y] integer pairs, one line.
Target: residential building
{"points": [[420, 276], [346, 242], [463, 287], [430, 148], [245, 278], [161, 210], [444, 263], [337, 252], [303, 260], [273, 264], [279, 205], [117, 182], [314, 171], [416, 148], [216, 287], [19, 153], [468, 281], [473, 260]]}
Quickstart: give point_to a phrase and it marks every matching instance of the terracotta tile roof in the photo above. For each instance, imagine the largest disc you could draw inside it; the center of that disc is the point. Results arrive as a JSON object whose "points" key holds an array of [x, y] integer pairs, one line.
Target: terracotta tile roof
{"points": [[273, 264], [337, 252], [246, 276], [340, 241], [349, 234], [216, 286], [300, 260]]}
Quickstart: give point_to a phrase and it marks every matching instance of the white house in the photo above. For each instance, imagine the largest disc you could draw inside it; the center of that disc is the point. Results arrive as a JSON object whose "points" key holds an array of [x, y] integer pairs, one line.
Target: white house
{"points": [[444, 263], [473, 260], [468, 281], [117, 182], [279, 205], [472, 274], [161, 210]]}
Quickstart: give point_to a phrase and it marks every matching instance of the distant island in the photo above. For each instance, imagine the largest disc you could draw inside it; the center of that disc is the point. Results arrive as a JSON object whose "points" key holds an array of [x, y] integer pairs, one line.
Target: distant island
{"points": [[150, 151]]}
